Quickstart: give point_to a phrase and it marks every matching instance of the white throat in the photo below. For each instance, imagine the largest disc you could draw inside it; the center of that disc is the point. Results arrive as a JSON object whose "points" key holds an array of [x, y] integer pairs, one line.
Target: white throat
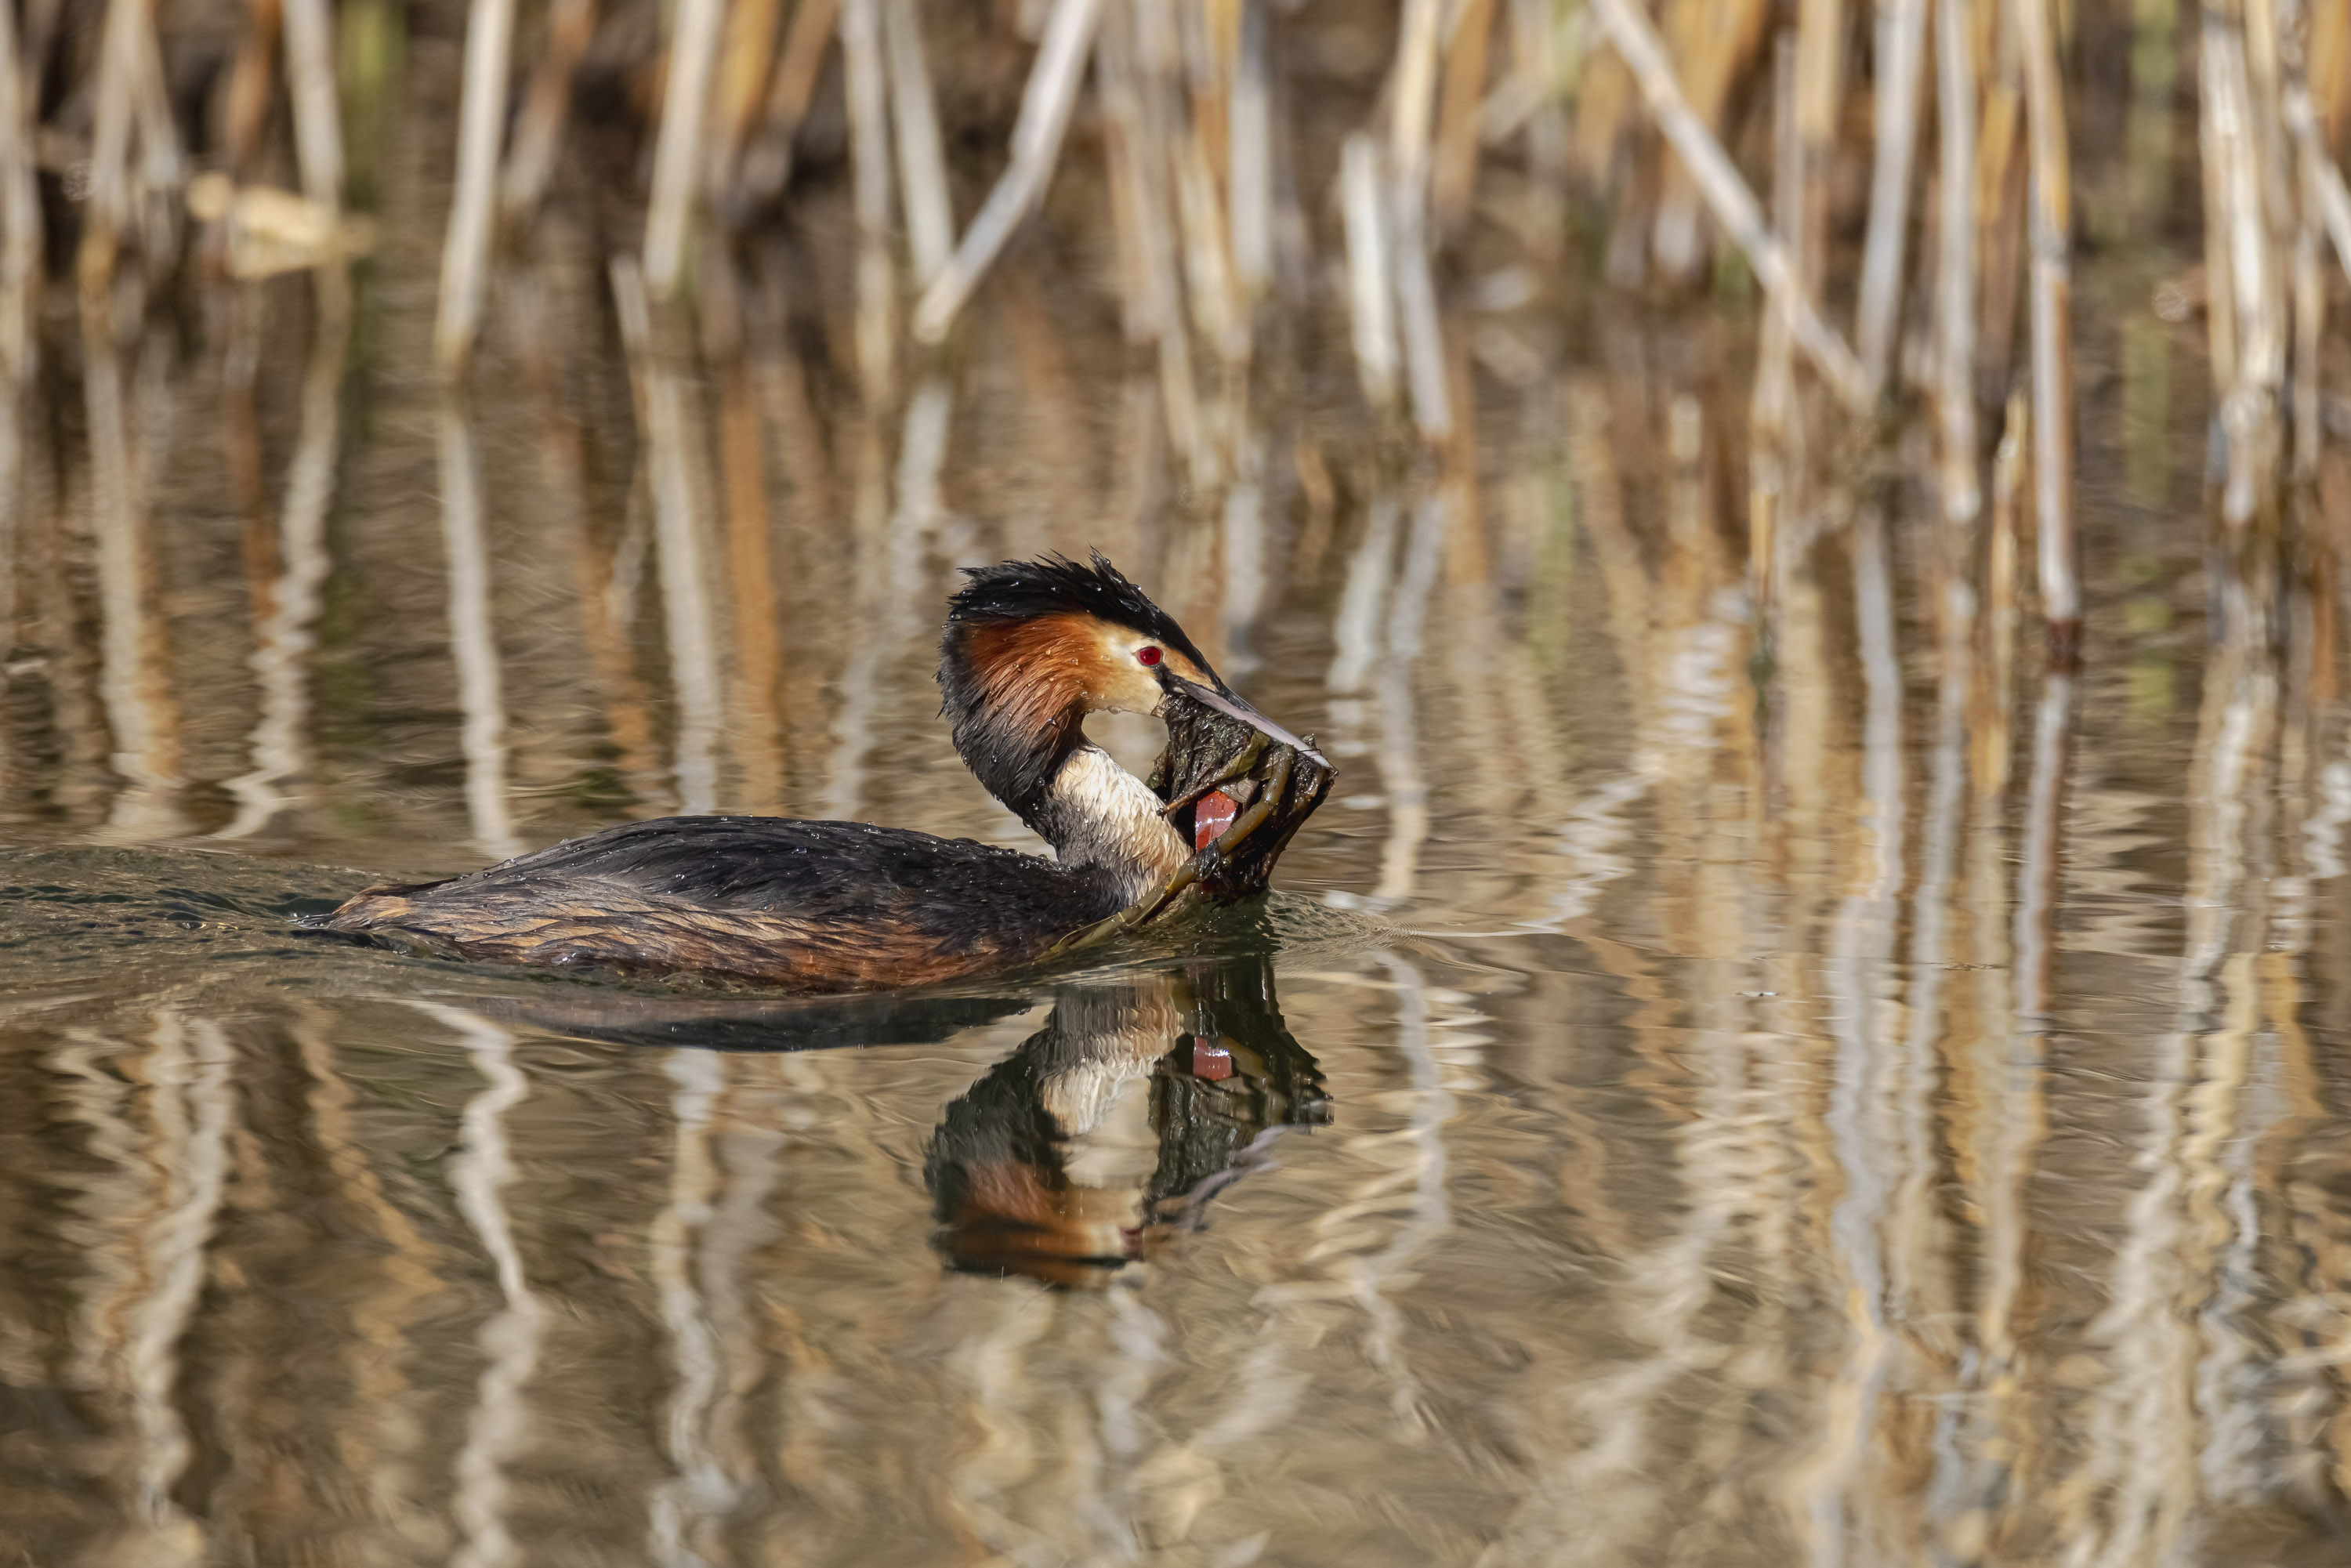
{"points": [[1100, 814]]}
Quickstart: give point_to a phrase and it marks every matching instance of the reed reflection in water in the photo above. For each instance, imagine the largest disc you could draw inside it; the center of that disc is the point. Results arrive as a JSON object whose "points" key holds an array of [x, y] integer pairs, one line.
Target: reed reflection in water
{"points": [[1837, 1085], [1791, 1120]]}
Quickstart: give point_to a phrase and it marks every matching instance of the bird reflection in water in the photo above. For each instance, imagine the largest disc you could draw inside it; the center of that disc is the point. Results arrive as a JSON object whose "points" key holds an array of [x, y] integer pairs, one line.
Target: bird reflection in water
{"points": [[1013, 1190], [1026, 1171]]}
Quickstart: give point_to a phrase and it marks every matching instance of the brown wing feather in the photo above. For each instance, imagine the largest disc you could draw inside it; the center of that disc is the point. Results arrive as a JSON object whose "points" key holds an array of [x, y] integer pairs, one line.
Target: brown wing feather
{"points": [[608, 925]]}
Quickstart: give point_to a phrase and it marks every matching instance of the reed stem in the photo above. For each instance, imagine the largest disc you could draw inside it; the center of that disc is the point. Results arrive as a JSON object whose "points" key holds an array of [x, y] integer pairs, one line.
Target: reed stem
{"points": [[869, 152], [2053, 348], [768, 165], [921, 157], [2249, 339], [1901, 53], [1773, 401], [1248, 156], [1370, 288], [1411, 120], [1454, 177], [1955, 280], [546, 102], [465, 256], [20, 237], [1045, 106], [1733, 203], [677, 149], [310, 89]]}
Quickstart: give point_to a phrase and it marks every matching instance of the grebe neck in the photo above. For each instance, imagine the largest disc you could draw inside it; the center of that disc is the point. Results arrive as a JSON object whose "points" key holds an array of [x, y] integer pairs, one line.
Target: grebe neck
{"points": [[1018, 710], [1096, 814]]}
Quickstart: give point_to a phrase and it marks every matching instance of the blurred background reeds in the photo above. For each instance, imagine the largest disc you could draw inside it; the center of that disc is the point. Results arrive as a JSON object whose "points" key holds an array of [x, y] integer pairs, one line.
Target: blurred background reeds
{"points": [[779, 217]]}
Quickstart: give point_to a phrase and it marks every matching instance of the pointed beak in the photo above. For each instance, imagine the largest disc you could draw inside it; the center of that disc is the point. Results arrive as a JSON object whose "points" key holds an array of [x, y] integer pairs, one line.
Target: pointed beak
{"points": [[1233, 708]]}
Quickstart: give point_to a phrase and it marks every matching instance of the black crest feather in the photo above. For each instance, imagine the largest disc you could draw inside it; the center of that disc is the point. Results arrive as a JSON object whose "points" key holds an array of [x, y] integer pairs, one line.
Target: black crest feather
{"points": [[1056, 585], [1014, 764]]}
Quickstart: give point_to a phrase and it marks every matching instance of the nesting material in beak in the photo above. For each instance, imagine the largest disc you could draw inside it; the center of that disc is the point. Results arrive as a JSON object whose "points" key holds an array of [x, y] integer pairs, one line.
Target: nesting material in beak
{"points": [[1237, 786], [1232, 708]]}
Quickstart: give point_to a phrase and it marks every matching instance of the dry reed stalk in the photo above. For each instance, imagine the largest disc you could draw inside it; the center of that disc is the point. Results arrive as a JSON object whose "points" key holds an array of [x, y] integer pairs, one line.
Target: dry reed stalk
{"points": [[2266, 25], [1603, 114], [677, 146], [1199, 144], [1955, 272], [20, 278], [922, 156], [564, 465], [310, 89], [1411, 113], [672, 454], [2328, 63], [282, 654], [2309, 295], [869, 156], [20, 251], [1774, 390], [473, 637], [2334, 206], [113, 190], [1214, 292], [1727, 195], [465, 256], [1143, 310], [1139, 53], [1138, 469], [2154, 74], [244, 101], [1820, 93], [1901, 53], [1468, 562], [1535, 59], [134, 679], [2008, 475], [2309, 330], [1453, 177], [2038, 871], [1370, 288], [2325, 201], [1209, 34], [1045, 106], [767, 164], [1527, 80], [1135, 66], [1292, 242], [241, 447], [2052, 349], [1249, 155], [750, 578], [2248, 338], [2000, 199], [546, 104], [162, 161], [1713, 44], [888, 562], [745, 55]]}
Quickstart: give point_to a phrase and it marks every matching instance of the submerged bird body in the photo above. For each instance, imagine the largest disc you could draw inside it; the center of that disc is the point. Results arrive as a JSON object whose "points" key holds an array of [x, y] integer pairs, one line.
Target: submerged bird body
{"points": [[1030, 648], [758, 900]]}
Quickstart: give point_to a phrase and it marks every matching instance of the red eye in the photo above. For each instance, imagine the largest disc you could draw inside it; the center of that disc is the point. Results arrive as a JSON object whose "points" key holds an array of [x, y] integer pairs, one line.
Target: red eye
{"points": [[1147, 656]]}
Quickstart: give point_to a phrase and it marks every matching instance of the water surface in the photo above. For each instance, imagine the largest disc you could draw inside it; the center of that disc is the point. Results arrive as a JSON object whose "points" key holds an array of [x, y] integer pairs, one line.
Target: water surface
{"points": [[1863, 1099]]}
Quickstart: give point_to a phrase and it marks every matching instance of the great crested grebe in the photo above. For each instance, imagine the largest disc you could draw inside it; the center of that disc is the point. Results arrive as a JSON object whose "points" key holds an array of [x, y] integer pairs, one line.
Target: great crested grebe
{"points": [[1030, 648]]}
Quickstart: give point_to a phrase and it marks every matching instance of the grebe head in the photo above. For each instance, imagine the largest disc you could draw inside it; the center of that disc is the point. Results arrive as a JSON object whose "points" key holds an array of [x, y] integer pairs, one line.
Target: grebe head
{"points": [[1031, 647]]}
